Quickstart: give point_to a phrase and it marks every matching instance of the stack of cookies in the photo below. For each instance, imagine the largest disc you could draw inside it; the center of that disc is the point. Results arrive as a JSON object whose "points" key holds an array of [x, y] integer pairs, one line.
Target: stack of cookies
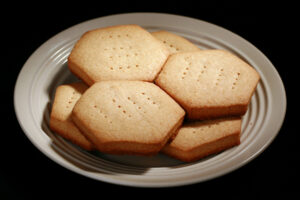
{"points": [[142, 93]]}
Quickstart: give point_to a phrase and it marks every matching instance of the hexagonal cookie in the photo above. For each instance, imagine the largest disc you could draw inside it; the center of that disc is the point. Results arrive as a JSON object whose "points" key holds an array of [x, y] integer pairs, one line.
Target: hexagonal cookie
{"points": [[127, 117], [196, 140], [124, 52], [209, 83]]}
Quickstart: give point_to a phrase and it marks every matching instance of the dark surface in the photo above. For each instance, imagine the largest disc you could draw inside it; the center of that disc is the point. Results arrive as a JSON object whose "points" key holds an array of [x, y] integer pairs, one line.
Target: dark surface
{"points": [[27, 173]]}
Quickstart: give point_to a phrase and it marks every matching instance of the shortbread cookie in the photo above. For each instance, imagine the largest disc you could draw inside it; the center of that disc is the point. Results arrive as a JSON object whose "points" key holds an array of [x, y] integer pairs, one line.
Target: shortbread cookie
{"points": [[60, 119], [199, 139], [124, 52], [127, 117], [173, 42], [209, 83]]}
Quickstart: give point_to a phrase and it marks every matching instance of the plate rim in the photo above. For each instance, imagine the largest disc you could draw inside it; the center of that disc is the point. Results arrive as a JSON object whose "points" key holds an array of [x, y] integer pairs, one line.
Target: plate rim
{"points": [[59, 37]]}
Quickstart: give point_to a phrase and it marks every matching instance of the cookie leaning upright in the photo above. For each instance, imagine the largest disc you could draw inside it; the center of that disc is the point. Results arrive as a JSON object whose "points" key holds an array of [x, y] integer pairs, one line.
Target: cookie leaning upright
{"points": [[209, 83], [65, 99], [127, 117], [124, 52], [173, 42]]}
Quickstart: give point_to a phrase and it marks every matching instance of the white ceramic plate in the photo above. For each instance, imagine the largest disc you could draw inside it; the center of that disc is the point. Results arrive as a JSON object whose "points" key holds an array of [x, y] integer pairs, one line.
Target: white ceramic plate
{"points": [[47, 68]]}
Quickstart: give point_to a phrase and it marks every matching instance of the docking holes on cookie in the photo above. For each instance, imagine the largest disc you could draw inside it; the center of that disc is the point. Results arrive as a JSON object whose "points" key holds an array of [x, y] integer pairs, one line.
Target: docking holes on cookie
{"points": [[236, 78], [111, 36], [123, 110], [104, 115], [149, 99], [171, 46], [135, 103], [72, 99], [118, 52], [219, 76], [139, 106], [187, 68], [202, 71]]}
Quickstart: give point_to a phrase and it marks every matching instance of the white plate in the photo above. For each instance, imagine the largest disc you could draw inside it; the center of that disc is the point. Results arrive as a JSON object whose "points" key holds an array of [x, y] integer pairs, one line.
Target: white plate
{"points": [[47, 68]]}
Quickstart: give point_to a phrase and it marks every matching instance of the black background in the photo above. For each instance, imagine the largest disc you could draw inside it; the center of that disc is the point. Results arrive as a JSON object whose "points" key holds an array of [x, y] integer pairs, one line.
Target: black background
{"points": [[26, 173]]}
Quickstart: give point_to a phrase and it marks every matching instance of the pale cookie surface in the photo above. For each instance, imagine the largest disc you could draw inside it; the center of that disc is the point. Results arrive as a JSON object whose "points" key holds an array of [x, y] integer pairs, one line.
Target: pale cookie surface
{"points": [[127, 117], [124, 52], [173, 42], [65, 99], [196, 140], [209, 83]]}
